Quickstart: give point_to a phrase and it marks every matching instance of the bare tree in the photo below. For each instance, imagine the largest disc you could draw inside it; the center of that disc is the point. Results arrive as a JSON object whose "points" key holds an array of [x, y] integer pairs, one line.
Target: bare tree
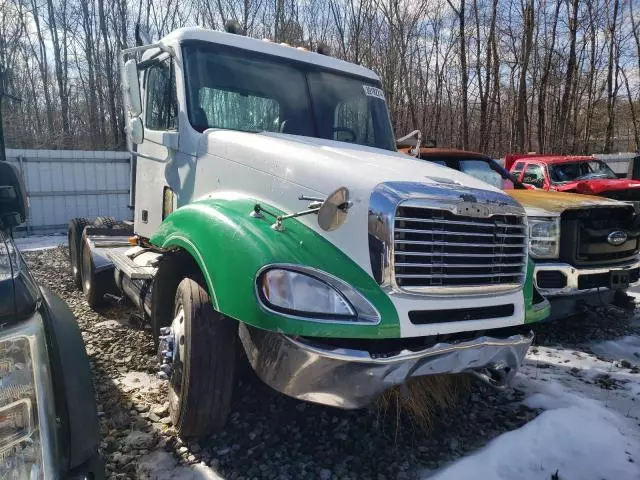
{"points": [[464, 74]]}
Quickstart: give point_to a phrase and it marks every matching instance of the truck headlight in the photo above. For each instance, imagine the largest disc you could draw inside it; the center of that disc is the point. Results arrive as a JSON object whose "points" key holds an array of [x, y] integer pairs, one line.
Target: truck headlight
{"points": [[24, 383], [311, 294], [544, 237]]}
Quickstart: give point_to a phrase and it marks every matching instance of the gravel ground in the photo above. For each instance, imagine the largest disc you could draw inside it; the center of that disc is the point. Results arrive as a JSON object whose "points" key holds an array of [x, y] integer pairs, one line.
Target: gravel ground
{"points": [[270, 435]]}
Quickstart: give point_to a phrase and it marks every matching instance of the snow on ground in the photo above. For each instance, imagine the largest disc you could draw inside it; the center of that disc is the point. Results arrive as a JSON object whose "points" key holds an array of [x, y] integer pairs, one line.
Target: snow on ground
{"points": [[590, 428], [40, 242], [140, 380], [626, 348], [161, 465]]}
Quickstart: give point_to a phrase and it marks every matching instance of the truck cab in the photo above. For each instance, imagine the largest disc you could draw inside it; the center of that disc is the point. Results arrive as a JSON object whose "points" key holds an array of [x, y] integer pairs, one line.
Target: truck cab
{"points": [[274, 215], [576, 174], [585, 248]]}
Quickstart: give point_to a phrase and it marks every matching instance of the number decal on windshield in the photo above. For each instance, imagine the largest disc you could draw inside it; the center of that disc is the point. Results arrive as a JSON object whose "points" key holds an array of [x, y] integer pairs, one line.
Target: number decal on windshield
{"points": [[370, 91]]}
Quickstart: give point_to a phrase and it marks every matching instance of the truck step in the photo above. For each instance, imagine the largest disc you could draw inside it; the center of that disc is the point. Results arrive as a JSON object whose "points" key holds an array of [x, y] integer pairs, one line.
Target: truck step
{"points": [[129, 268]]}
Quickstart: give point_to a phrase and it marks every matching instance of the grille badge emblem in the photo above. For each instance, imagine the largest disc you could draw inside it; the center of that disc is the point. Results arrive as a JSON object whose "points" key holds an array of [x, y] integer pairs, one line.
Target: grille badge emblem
{"points": [[616, 238], [473, 209]]}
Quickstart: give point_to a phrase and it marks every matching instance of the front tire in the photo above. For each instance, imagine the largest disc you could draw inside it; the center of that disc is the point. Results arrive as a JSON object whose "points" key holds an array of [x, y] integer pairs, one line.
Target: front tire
{"points": [[203, 375]]}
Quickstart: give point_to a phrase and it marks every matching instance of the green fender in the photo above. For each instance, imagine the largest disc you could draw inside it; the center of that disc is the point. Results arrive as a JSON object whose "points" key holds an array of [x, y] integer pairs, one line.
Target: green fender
{"points": [[533, 313], [230, 247]]}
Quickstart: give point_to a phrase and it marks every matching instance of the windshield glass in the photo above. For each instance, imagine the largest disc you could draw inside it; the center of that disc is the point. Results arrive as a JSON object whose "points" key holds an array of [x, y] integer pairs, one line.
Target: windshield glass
{"points": [[492, 173], [570, 171], [235, 89]]}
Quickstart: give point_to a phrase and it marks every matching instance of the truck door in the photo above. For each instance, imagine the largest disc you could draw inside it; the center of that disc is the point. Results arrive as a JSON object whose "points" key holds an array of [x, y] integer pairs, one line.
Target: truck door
{"points": [[160, 145]]}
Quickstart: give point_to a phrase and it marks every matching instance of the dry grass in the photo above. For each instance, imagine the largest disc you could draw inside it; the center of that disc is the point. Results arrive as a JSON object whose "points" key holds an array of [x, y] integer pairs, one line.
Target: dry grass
{"points": [[423, 398]]}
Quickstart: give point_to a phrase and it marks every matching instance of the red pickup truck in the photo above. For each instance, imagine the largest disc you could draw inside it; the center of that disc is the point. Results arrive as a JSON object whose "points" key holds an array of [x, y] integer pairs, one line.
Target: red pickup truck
{"points": [[578, 174]]}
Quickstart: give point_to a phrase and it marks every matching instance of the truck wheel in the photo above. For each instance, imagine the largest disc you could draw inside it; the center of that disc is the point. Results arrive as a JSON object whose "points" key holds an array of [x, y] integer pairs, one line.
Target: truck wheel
{"points": [[74, 237], [204, 358], [105, 222], [94, 284]]}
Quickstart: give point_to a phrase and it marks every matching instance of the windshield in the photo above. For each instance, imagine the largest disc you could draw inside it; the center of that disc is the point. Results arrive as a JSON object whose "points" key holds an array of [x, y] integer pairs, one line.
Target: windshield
{"points": [[235, 89], [570, 171], [489, 172]]}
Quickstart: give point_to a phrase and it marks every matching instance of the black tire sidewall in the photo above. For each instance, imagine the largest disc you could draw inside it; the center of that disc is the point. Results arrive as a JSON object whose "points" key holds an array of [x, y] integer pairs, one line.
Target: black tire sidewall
{"points": [[210, 347], [74, 237], [97, 281]]}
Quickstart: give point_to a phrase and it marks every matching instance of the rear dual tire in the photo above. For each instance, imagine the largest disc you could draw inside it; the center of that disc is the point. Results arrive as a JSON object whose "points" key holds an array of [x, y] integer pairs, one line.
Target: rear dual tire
{"points": [[74, 237], [94, 284]]}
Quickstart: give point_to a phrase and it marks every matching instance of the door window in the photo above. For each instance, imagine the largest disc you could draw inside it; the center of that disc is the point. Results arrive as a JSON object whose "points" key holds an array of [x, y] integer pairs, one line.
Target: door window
{"points": [[534, 175], [517, 169], [162, 103]]}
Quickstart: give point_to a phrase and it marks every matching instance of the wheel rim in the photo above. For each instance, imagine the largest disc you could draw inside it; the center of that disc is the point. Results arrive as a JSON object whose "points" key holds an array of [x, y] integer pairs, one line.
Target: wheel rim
{"points": [[178, 333]]}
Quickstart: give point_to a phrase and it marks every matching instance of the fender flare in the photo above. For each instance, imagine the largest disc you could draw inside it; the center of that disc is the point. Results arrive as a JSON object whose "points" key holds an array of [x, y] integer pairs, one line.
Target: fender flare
{"points": [[220, 233]]}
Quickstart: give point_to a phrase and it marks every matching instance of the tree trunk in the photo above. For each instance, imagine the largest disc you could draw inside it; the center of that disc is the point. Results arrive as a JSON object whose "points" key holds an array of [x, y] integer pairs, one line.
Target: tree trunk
{"points": [[111, 95], [568, 83], [94, 128], [527, 41]]}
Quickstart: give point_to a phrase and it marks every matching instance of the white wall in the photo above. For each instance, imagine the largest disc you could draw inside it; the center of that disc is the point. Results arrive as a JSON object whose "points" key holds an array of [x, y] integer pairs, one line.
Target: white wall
{"points": [[63, 184]]}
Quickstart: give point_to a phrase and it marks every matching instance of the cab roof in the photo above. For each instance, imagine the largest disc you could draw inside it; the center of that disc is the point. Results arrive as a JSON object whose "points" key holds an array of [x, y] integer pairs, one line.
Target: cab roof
{"points": [[181, 35], [551, 158]]}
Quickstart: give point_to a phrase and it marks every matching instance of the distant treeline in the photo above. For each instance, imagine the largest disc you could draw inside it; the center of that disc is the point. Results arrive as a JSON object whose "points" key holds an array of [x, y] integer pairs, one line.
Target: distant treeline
{"points": [[490, 75]]}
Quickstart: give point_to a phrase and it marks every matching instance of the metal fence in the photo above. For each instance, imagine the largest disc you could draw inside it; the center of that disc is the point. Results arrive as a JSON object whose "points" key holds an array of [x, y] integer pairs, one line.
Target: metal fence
{"points": [[63, 184]]}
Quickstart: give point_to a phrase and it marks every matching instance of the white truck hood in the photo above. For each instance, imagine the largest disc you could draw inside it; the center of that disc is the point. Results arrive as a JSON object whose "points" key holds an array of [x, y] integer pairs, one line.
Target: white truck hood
{"points": [[324, 165], [277, 168]]}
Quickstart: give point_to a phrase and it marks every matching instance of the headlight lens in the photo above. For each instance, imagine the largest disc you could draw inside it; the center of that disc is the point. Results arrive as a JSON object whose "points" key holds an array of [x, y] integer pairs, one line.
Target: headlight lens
{"points": [[303, 292], [27, 410], [20, 447], [544, 237], [295, 291]]}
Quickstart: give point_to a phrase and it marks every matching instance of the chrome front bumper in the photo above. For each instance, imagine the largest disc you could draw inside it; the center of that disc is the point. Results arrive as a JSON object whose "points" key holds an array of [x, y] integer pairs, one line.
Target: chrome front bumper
{"points": [[350, 379], [573, 275]]}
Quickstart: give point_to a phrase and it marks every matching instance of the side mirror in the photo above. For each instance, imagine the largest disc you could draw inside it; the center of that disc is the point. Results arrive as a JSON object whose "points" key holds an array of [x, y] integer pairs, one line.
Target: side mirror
{"points": [[136, 130], [333, 212], [13, 197], [131, 88], [413, 141]]}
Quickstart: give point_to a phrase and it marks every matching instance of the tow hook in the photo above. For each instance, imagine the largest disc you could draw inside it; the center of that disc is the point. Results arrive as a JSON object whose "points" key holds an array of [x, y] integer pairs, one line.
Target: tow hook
{"points": [[497, 377]]}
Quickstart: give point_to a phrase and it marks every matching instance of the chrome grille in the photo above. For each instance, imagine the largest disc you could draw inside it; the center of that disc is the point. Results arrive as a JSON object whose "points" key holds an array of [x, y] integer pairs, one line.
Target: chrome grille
{"points": [[436, 250]]}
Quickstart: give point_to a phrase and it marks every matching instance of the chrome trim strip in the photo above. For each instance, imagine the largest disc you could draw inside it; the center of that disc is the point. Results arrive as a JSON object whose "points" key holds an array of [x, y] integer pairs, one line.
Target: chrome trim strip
{"points": [[449, 275], [572, 274], [351, 355], [457, 222], [355, 299], [458, 265], [469, 255], [458, 244], [464, 234]]}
